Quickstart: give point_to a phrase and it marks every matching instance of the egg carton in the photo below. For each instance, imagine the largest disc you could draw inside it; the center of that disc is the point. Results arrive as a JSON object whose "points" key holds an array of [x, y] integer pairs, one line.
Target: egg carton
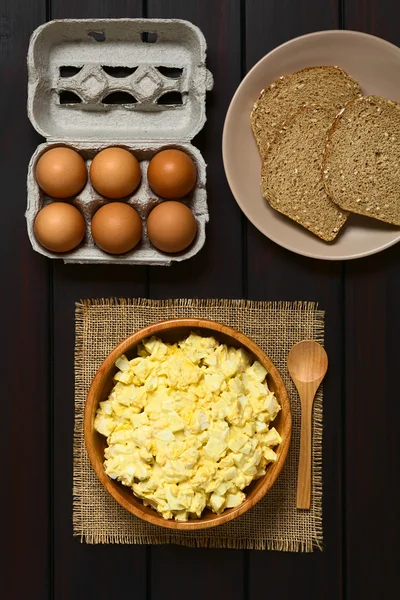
{"points": [[139, 84]]}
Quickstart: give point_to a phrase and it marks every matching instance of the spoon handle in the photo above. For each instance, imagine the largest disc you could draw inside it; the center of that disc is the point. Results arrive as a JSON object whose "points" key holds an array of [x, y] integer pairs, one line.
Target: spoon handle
{"points": [[304, 469]]}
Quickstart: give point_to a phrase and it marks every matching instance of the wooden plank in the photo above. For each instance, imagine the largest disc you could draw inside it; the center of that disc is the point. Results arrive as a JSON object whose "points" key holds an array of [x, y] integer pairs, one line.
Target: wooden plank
{"points": [[372, 326], [25, 439], [276, 274], [379, 17], [200, 572], [80, 570], [96, 9], [372, 491], [215, 272]]}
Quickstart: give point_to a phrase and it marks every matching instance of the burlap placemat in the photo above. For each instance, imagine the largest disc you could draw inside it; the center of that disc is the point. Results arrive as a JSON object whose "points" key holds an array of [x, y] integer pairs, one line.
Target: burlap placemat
{"points": [[274, 523]]}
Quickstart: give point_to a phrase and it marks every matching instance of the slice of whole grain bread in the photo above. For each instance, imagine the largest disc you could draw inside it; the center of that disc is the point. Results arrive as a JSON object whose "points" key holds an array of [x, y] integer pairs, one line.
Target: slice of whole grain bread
{"points": [[291, 175], [327, 86], [361, 164]]}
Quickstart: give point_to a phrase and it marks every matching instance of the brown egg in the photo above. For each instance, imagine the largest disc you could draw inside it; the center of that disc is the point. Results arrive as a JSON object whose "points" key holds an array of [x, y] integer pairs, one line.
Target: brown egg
{"points": [[61, 172], [171, 226], [116, 228], [172, 174], [115, 173], [59, 227]]}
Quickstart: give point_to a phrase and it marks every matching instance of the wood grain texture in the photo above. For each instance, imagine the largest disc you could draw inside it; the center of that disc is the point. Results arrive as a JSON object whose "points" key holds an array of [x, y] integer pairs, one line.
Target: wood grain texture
{"points": [[307, 364], [25, 439], [223, 578], [275, 273], [372, 328], [371, 397], [379, 17], [79, 570], [96, 9], [174, 330]]}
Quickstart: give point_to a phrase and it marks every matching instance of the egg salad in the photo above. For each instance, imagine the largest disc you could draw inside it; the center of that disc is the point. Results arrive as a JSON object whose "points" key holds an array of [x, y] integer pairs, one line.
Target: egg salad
{"points": [[188, 425]]}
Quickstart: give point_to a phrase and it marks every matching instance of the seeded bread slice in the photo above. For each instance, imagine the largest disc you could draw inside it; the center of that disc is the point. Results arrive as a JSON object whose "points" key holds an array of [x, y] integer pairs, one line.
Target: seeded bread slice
{"points": [[361, 165], [326, 86], [291, 175]]}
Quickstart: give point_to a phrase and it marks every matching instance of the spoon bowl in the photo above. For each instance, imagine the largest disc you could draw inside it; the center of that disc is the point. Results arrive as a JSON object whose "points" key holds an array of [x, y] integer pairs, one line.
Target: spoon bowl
{"points": [[307, 361]]}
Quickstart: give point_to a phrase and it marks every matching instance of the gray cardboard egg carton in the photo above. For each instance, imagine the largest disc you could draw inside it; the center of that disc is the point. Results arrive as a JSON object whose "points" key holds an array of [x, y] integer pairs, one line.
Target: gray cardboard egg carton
{"points": [[135, 83]]}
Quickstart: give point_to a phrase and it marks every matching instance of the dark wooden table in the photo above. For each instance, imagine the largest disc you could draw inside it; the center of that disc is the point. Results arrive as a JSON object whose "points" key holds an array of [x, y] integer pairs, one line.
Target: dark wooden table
{"points": [[361, 298]]}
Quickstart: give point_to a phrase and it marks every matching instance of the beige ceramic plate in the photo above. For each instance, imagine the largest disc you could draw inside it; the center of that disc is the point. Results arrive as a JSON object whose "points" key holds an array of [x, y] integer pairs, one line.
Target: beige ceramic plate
{"points": [[375, 63]]}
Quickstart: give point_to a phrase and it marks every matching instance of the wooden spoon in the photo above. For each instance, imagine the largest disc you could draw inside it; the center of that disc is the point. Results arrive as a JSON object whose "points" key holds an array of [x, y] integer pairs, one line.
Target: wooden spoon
{"points": [[307, 364]]}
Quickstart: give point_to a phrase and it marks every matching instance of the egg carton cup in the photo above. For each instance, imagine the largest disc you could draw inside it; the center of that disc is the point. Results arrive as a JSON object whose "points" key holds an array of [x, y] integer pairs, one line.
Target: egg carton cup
{"points": [[139, 84]]}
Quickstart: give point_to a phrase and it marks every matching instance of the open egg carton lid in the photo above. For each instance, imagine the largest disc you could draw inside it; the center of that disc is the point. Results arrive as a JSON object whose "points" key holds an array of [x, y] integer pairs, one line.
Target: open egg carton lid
{"points": [[118, 79], [136, 83]]}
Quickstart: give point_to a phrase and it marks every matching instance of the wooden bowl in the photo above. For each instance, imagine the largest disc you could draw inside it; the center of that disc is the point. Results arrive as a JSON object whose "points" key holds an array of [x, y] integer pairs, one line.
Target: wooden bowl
{"points": [[172, 331]]}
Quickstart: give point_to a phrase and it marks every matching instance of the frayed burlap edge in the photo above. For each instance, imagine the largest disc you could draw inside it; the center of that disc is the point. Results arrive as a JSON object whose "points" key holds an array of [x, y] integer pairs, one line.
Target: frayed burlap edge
{"points": [[233, 543], [195, 302]]}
